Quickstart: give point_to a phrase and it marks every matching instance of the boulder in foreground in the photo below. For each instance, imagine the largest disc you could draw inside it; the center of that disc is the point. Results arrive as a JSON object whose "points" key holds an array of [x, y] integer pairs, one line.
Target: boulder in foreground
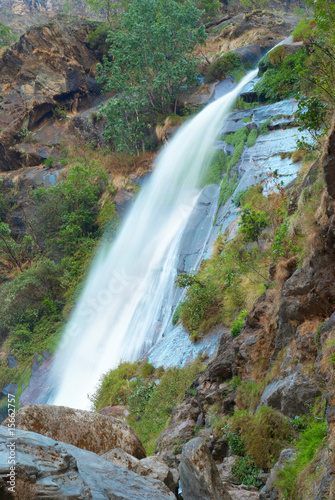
{"points": [[49, 469], [84, 429]]}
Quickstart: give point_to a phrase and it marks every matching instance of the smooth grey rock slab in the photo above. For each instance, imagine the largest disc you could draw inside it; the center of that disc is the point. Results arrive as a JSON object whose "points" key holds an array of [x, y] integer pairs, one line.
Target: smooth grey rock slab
{"points": [[62, 471]]}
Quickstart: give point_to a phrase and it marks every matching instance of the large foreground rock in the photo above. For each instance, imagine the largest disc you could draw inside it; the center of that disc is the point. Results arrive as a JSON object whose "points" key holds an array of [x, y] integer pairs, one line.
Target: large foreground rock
{"points": [[199, 476], [53, 470], [84, 429]]}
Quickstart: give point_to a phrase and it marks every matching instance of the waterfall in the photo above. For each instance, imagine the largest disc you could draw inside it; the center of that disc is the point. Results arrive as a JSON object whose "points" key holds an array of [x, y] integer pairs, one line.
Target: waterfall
{"points": [[127, 299]]}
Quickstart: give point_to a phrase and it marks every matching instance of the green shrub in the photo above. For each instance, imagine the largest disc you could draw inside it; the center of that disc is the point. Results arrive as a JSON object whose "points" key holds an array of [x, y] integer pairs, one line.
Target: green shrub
{"points": [[200, 302], [246, 472], [158, 408], [264, 434], [282, 246], [252, 138], [252, 224], [67, 212], [235, 443], [217, 167], [284, 80], [176, 314], [264, 127], [247, 119], [241, 104], [238, 196], [294, 478], [303, 30], [238, 137], [48, 162], [224, 66], [238, 323]]}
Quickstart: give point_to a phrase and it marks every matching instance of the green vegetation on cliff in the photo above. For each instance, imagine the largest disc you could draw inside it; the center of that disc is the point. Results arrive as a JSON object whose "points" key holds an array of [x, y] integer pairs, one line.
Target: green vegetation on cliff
{"points": [[149, 394]]}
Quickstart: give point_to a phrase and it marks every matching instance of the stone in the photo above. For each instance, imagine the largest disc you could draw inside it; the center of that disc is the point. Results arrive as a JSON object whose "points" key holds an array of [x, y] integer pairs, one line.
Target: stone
{"points": [[291, 395], [270, 492], [84, 429], [158, 469], [60, 471], [199, 476], [117, 411]]}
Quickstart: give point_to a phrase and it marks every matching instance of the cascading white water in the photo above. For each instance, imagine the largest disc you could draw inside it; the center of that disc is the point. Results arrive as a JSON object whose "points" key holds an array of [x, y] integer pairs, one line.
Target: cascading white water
{"points": [[126, 302]]}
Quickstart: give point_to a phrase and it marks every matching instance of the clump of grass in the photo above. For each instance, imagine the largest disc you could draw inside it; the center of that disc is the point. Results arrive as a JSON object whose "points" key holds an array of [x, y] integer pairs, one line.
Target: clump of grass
{"points": [[238, 323], [264, 127], [249, 394], [264, 434], [297, 477], [252, 138], [226, 65]]}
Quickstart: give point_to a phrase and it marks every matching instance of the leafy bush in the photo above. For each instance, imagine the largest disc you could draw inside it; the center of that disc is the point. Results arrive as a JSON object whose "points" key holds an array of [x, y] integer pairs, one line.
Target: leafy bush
{"points": [[67, 212], [252, 138], [200, 303], [238, 323], [48, 162], [293, 478], [238, 137], [283, 81], [282, 246], [252, 224], [176, 314], [225, 66], [264, 127], [264, 434], [246, 472], [32, 295], [238, 196], [217, 167], [303, 30], [235, 443]]}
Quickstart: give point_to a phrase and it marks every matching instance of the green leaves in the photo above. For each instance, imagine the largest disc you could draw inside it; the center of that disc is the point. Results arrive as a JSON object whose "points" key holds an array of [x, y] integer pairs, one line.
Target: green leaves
{"points": [[6, 35], [67, 212], [252, 223], [150, 61]]}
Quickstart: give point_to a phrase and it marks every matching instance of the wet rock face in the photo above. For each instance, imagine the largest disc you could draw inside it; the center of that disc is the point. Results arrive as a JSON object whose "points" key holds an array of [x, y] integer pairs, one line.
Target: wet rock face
{"points": [[55, 470], [84, 429], [50, 66], [199, 476]]}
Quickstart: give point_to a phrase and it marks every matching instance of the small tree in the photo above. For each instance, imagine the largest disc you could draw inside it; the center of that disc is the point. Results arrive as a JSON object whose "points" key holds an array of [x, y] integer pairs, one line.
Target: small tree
{"points": [[12, 253], [6, 35], [252, 224], [151, 59], [110, 10]]}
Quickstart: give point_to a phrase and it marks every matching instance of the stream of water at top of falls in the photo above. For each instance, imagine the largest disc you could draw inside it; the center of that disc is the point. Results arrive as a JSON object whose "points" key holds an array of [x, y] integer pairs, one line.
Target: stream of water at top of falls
{"points": [[126, 304]]}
